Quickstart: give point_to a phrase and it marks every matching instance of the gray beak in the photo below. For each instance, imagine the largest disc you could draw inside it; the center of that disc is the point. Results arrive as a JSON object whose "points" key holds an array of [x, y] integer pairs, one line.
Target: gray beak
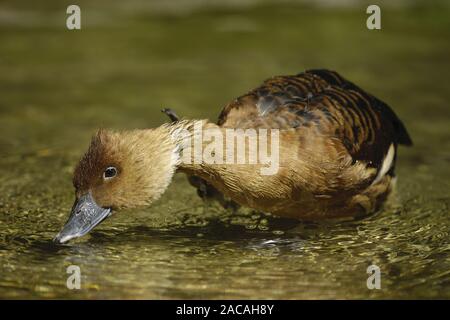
{"points": [[85, 215]]}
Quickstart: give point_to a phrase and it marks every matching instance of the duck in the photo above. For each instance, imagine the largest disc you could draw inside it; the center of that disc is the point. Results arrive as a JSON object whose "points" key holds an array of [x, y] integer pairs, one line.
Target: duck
{"points": [[337, 149]]}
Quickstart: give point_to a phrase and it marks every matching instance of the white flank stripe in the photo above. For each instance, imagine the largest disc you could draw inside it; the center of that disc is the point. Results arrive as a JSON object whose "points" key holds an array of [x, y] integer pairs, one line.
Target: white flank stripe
{"points": [[387, 164]]}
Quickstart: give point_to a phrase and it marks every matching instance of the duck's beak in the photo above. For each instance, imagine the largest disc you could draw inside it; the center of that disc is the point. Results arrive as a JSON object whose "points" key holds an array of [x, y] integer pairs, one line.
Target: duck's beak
{"points": [[85, 215]]}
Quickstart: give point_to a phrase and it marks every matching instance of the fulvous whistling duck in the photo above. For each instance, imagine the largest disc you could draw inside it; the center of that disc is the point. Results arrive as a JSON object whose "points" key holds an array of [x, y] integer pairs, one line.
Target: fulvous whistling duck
{"points": [[337, 154]]}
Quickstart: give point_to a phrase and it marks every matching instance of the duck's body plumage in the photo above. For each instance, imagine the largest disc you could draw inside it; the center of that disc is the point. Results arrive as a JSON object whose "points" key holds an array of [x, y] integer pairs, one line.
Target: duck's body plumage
{"points": [[322, 99], [339, 146]]}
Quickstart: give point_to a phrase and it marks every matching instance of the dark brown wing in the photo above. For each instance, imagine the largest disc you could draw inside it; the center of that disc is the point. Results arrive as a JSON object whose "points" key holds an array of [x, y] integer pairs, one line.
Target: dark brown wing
{"points": [[365, 125]]}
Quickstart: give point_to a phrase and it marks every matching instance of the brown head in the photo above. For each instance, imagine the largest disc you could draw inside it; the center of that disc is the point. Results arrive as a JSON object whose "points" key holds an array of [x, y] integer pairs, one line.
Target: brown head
{"points": [[119, 170]]}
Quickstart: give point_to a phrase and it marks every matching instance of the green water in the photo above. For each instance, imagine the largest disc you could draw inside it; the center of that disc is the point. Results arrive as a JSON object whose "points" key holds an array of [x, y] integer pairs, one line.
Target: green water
{"points": [[131, 59]]}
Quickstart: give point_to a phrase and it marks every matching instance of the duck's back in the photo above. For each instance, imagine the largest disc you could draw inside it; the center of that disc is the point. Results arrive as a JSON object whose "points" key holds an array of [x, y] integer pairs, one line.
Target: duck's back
{"points": [[332, 105]]}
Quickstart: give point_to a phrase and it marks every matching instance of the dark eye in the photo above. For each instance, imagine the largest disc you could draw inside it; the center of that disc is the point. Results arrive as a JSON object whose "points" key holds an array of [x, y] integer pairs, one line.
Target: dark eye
{"points": [[109, 173]]}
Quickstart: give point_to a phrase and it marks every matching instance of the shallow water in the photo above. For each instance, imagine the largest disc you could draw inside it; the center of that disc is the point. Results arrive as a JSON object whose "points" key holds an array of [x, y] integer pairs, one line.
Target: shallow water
{"points": [[128, 62]]}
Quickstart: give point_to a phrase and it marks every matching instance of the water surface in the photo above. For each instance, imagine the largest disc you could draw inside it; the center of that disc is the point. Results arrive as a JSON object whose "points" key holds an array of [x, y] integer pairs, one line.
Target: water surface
{"points": [[129, 61]]}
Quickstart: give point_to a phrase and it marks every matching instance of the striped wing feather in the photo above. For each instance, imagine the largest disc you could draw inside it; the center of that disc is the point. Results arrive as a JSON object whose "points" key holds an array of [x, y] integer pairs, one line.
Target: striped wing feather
{"points": [[365, 125]]}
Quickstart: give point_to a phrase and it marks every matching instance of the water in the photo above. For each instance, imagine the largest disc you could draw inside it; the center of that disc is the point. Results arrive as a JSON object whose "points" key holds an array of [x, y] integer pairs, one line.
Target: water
{"points": [[128, 62]]}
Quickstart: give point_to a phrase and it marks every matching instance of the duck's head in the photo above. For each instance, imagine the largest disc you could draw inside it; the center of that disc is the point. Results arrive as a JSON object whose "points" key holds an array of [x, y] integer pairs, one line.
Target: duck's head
{"points": [[119, 170]]}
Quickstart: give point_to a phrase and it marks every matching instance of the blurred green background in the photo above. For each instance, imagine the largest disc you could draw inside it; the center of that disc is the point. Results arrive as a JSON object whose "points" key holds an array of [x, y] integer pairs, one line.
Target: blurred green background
{"points": [[131, 59]]}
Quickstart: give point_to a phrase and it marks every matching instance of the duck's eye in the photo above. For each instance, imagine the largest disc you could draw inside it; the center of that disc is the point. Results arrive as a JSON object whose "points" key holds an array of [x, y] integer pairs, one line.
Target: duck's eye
{"points": [[109, 173]]}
